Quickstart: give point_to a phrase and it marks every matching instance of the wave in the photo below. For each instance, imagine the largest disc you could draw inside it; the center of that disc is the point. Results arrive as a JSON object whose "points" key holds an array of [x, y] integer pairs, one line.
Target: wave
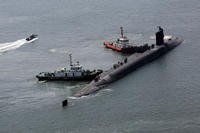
{"points": [[52, 50], [76, 98], [83, 97], [60, 50], [4, 47]]}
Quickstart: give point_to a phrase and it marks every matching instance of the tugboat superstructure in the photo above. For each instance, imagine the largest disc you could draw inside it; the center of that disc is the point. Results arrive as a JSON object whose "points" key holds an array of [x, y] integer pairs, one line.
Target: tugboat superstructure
{"points": [[76, 73]]}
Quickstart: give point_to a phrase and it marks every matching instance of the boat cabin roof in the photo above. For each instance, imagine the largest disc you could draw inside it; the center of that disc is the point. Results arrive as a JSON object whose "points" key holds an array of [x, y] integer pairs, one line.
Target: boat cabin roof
{"points": [[76, 67], [123, 39]]}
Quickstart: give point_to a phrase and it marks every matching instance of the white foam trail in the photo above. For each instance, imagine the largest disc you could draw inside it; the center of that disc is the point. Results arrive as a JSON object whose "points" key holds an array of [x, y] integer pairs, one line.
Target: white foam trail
{"points": [[107, 90], [32, 40], [77, 98], [84, 97], [4, 47]]}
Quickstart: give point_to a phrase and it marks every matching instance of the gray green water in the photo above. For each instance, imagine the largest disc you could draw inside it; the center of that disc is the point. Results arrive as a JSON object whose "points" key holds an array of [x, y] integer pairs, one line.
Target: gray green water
{"points": [[161, 97]]}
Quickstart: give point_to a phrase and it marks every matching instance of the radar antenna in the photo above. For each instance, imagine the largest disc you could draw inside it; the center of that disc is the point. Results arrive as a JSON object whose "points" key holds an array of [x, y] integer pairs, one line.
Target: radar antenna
{"points": [[70, 59], [122, 31]]}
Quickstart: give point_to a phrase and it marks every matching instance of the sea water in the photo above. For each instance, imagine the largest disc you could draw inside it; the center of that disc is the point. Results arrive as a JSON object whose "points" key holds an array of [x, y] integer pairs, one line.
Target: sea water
{"points": [[161, 97]]}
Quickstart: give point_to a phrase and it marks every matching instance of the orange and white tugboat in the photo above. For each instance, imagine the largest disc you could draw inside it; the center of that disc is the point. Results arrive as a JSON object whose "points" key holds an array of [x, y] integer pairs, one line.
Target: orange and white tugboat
{"points": [[121, 44]]}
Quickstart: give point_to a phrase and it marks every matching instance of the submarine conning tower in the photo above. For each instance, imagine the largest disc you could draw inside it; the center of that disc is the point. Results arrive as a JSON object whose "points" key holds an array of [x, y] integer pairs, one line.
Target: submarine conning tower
{"points": [[160, 36]]}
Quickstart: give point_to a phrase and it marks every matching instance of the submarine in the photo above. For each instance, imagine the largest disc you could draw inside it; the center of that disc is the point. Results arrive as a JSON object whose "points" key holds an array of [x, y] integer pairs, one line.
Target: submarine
{"points": [[131, 63]]}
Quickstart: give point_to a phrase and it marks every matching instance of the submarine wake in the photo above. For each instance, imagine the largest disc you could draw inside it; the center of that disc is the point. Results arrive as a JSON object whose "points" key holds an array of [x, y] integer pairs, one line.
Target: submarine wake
{"points": [[76, 98]]}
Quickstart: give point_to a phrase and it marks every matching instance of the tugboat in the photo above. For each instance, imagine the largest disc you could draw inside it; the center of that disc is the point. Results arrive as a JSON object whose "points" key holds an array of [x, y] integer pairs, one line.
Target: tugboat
{"points": [[121, 44], [75, 73], [32, 37]]}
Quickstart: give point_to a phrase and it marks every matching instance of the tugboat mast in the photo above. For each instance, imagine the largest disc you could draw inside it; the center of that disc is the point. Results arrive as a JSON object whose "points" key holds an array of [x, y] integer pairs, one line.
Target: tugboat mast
{"points": [[70, 59], [122, 32]]}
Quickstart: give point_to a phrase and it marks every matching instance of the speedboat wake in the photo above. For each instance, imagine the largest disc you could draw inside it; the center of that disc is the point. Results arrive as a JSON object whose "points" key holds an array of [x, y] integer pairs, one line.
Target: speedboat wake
{"points": [[5, 47]]}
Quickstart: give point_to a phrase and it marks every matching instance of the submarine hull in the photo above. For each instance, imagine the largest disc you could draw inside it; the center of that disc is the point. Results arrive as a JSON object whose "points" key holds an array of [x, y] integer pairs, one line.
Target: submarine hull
{"points": [[133, 62]]}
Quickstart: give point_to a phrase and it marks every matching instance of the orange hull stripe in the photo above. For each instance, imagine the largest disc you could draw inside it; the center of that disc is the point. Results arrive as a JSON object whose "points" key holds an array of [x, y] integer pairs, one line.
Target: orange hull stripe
{"points": [[112, 47]]}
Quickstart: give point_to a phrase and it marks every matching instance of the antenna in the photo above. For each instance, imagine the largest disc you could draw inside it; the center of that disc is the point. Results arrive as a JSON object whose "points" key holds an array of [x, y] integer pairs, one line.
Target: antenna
{"points": [[70, 59], [122, 32]]}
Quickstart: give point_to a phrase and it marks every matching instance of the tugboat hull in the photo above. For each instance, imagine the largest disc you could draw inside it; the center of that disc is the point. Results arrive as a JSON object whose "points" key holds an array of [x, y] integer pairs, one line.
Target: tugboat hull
{"points": [[128, 50], [82, 78]]}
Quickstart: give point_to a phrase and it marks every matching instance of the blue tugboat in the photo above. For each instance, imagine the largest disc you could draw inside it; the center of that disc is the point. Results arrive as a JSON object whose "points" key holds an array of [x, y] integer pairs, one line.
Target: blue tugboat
{"points": [[75, 73]]}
